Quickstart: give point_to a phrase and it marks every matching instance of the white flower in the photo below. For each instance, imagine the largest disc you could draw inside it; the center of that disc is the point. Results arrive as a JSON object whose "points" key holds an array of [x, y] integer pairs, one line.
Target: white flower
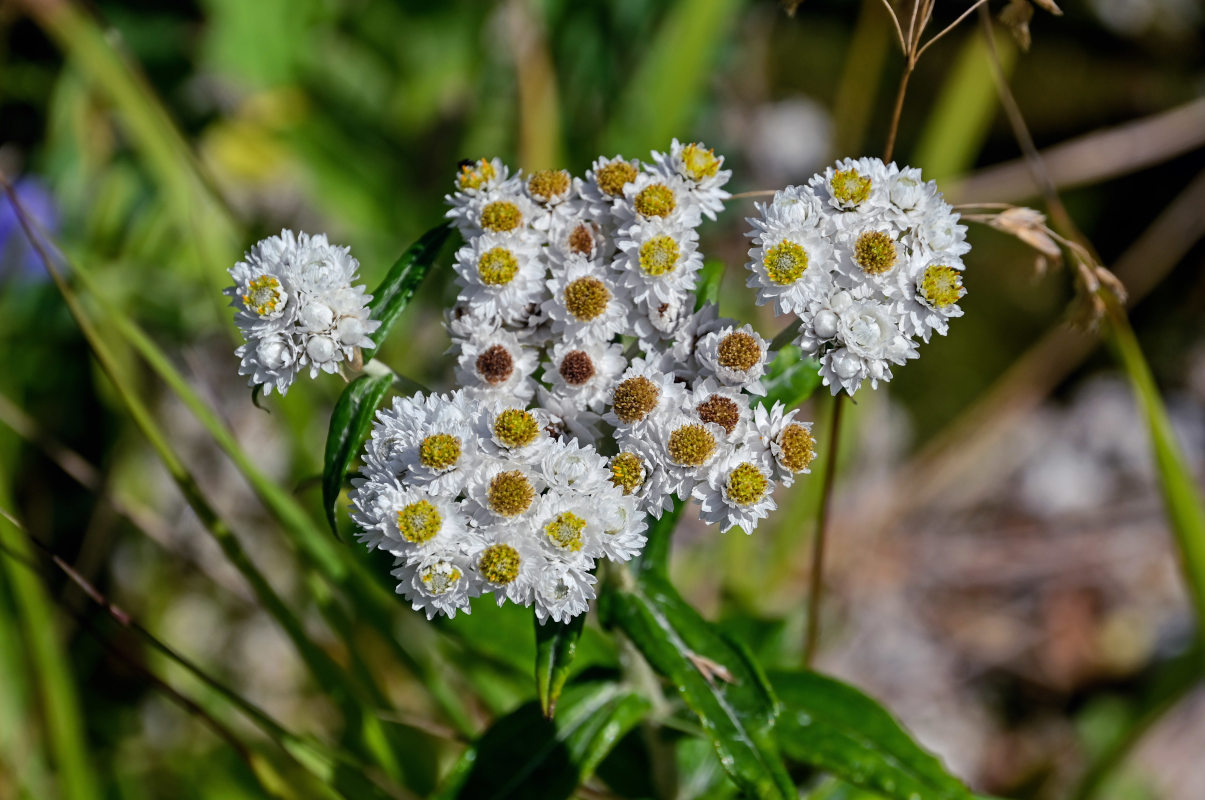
{"points": [[584, 371], [658, 198], [867, 341], [872, 256], [643, 393], [861, 184], [554, 198], [789, 442], [939, 230], [688, 447], [929, 291], [604, 185], [500, 275], [736, 357], [624, 527], [497, 365], [511, 433], [726, 406], [639, 472], [438, 583], [503, 209], [296, 306], [573, 467], [658, 261], [587, 302], [427, 440], [567, 419], [408, 523], [569, 526], [737, 493], [507, 562], [699, 167], [579, 235], [792, 256], [562, 591], [502, 491]]}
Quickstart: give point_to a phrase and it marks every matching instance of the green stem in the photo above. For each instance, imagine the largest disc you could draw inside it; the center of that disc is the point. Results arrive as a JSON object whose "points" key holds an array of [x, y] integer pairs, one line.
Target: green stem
{"points": [[816, 587]]}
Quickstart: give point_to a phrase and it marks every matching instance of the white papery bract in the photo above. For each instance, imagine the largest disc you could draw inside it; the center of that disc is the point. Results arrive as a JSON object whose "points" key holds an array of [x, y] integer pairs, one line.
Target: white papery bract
{"points": [[699, 168], [296, 306], [869, 257]]}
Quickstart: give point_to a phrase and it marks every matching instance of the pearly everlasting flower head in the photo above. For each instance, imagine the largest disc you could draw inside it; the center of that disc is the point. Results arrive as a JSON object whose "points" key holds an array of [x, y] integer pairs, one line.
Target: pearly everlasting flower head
{"points": [[593, 388], [869, 257], [297, 308]]}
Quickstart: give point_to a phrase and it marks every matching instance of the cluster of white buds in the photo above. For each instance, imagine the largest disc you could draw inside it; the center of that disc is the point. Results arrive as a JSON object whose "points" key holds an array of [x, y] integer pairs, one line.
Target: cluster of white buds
{"points": [[869, 256], [296, 307], [592, 391]]}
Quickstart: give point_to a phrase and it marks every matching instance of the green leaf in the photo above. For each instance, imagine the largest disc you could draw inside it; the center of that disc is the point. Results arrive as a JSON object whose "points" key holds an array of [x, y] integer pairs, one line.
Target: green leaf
{"points": [[655, 556], [733, 701], [350, 422], [391, 297], [556, 646], [1181, 497], [710, 279], [791, 378], [833, 726], [526, 755]]}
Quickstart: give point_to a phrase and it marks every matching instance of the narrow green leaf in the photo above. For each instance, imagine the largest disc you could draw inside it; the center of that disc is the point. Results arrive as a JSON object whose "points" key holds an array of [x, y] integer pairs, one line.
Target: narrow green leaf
{"points": [[391, 297], [791, 378], [833, 726], [257, 398], [733, 700], [710, 279], [1182, 498], [655, 556], [526, 755], [350, 423], [556, 647]]}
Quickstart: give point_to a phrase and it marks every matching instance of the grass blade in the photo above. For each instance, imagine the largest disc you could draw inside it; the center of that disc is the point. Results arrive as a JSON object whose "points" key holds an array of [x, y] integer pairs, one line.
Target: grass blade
{"points": [[351, 421], [556, 647]]}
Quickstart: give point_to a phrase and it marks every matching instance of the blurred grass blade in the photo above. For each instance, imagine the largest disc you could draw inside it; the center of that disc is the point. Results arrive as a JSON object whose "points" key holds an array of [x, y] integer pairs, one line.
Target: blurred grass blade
{"points": [[716, 677], [351, 421], [664, 92], [1181, 496], [50, 666], [832, 726], [791, 378], [525, 755], [556, 647], [391, 297], [655, 556]]}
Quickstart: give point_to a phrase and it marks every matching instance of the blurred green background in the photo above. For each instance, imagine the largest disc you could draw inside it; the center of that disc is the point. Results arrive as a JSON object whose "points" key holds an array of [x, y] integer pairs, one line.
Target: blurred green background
{"points": [[1001, 572]]}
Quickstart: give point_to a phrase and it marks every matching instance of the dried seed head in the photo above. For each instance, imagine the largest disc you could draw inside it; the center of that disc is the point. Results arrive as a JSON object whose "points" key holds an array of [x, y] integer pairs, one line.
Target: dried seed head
{"points": [[721, 410], [495, 364], [739, 351], [582, 240], [576, 367]]}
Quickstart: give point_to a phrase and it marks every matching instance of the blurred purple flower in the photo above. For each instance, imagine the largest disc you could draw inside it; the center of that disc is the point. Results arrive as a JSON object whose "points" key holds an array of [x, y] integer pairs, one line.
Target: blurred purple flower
{"points": [[17, 257]]}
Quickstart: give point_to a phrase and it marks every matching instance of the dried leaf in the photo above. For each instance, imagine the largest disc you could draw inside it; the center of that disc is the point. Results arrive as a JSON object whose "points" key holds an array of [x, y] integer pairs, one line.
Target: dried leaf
{"points": [[1049, 5], [1016, 16], [791, 6], [1029, 226]]}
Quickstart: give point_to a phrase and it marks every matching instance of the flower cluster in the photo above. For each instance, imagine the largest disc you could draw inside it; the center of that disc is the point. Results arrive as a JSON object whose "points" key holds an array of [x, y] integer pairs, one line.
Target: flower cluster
{"points": [[593, 390], [296, 307], [869, 256]]}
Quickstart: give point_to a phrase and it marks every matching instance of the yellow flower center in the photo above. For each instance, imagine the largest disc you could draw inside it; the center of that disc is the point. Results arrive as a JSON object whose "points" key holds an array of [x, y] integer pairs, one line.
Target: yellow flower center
{"points": [[785, 262], [565, 531], [263, 295], [499, 564], [586, 298], [655, 200], [439, 451], [797, 448], [699, 162], [691, 445], [627, 471], [739, 351], [850, 188], [941, 286], [635, 398], [475, 175], [875, 252], [501, 216], [515, 428], [419, 522], [549, 184], [510, 494], [614, 176], [498, 266], [746, 485], [440, 578], [659, 255]]}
